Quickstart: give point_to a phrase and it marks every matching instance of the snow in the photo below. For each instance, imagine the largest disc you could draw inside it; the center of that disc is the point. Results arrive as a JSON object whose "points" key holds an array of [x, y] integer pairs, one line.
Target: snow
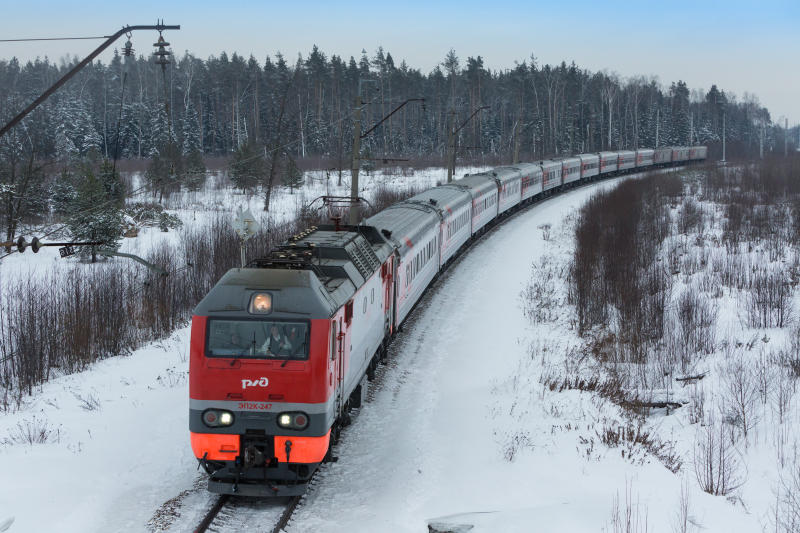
{"points": [[461, 429], [433, 442]]}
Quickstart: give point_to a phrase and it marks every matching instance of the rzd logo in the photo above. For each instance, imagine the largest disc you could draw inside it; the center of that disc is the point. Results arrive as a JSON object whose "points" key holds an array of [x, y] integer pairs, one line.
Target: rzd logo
{"points": [[263, 382]]}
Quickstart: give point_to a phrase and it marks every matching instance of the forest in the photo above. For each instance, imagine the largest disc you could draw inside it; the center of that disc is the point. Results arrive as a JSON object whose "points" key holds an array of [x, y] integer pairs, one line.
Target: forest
{"points": [[299, 115]]}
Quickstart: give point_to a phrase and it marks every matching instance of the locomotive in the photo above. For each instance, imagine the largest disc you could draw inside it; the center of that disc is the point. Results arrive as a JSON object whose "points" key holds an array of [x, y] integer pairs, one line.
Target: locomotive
{"points": [[282, 350]]}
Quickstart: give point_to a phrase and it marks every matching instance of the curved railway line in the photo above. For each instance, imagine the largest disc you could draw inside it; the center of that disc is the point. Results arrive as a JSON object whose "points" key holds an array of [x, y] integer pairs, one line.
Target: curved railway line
{"points": [[230, 513]]}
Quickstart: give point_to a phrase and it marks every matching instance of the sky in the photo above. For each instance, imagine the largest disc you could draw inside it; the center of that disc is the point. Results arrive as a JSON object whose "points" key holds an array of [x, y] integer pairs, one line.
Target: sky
{"points": [[743, 47]]}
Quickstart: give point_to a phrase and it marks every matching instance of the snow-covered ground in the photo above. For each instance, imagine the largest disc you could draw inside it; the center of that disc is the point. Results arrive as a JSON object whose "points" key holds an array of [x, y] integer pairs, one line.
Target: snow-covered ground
{"points": [[461, 431]]}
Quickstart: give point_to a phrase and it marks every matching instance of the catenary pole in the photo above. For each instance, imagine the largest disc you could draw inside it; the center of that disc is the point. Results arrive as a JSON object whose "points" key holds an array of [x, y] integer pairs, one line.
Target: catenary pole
{"points": [[64, 79]]}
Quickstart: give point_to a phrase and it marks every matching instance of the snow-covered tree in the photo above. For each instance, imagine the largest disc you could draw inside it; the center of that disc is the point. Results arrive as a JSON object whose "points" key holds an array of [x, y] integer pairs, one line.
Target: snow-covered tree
{"points": [[94, 215], [161, 133], [248, 167], [192, 140]]}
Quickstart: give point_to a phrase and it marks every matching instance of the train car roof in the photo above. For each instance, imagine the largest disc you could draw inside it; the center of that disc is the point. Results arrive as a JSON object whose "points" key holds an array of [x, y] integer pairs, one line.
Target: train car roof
{"points": [[527, 168], [506, 173], [477, 184], [405, 223], [547, 163], [442, 198]]}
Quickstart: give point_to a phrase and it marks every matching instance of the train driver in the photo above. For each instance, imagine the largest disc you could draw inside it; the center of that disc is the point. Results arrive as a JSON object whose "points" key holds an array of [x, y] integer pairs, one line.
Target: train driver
{"points": [[276, 343], [296, 341]]}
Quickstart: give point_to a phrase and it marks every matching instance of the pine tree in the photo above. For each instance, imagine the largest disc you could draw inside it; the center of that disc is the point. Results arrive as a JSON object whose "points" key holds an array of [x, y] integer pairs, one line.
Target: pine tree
{"points": [[191, 131], [192, 149], [293, 178], [112, 183], [247, 167], [66, 151], [161, 134], [165, 171], [94, 215], [63, 193]]}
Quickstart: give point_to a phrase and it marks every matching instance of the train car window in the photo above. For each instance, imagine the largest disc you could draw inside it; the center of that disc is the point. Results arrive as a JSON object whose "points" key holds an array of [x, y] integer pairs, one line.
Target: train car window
{"points": [[257, 339]]}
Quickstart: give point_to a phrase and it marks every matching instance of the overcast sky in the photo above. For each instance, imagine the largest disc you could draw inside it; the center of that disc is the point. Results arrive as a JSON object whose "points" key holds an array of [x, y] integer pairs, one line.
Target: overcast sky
{"points": [[741, 46]]}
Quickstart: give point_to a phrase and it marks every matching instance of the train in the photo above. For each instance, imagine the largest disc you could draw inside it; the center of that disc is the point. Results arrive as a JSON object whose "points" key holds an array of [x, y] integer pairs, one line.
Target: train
{"points": [[281, 351]]}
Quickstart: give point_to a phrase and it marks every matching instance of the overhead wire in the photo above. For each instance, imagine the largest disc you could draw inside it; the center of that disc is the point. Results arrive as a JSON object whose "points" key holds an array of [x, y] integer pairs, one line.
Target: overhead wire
{"points": [[27, 39]]}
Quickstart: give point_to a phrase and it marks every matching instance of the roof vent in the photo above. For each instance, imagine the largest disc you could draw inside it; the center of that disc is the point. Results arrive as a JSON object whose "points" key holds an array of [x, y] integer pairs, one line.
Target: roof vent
{"points": [[386, 233], [432, 201]]}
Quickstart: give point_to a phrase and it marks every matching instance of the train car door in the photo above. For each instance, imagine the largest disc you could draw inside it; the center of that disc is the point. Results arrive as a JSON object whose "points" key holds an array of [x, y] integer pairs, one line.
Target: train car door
{"points": [[338, 362]]}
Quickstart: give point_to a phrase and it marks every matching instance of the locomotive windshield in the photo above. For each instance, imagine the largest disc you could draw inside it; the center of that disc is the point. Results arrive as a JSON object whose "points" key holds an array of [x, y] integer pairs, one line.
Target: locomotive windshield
{"points": [[259, 339]]}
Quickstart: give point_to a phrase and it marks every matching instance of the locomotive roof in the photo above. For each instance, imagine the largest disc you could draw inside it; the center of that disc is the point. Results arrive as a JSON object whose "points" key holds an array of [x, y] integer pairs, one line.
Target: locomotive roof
{"points": [[312, 274]]}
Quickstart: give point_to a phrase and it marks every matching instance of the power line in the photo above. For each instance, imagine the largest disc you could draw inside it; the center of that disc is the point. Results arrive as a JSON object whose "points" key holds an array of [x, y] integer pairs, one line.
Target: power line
{"points": [[52, 39]]}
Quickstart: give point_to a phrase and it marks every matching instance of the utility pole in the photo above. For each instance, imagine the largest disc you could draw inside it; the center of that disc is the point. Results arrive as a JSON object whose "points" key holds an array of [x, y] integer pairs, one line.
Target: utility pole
{"points": [[355, 209], [588, 137], [658, 119], [355, 212], [786, 137], [452, 162], [723, 134], [451, 144]]}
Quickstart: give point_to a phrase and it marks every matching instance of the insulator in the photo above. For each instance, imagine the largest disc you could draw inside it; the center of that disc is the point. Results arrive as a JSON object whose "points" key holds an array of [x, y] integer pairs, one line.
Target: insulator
{"points": [[127, 51]]}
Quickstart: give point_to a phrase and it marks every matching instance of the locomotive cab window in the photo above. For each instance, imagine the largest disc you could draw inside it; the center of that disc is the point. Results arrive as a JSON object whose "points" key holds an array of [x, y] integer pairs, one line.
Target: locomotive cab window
{"points": [[257, 339]]}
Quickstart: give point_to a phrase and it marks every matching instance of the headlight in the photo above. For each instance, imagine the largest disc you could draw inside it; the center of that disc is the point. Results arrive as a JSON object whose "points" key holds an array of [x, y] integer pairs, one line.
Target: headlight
{"points": [[215, 418], [261, 303], [293, 420]]}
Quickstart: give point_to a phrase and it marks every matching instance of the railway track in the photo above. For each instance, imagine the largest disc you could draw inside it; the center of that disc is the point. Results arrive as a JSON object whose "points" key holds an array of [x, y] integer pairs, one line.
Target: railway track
{"points": [[243, 514]]}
